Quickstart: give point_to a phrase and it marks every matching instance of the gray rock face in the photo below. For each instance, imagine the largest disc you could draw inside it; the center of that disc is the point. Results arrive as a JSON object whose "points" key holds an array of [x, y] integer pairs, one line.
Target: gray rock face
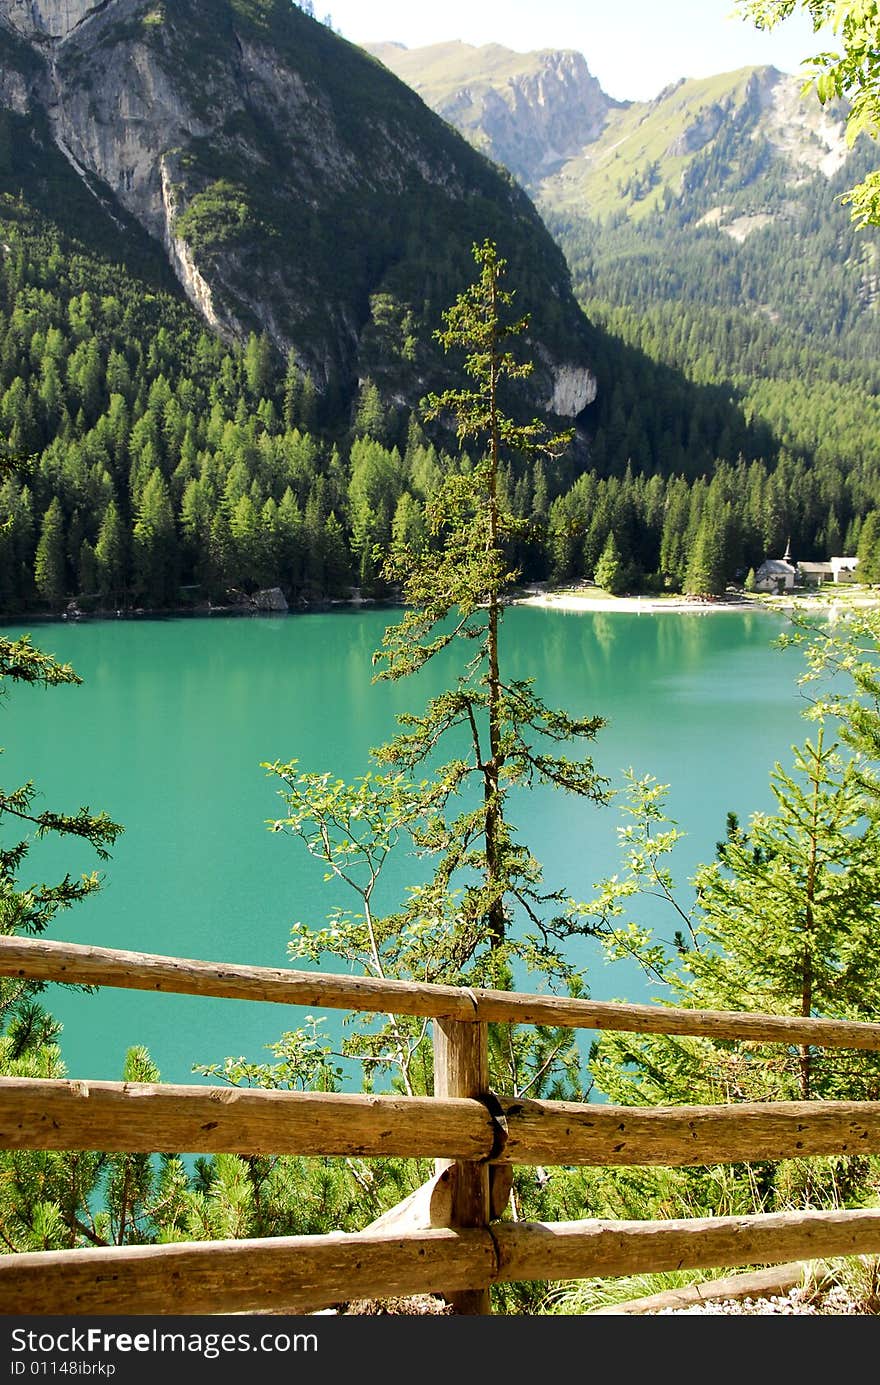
{"points": [[574, 387], [121, 125], [196, 287], [270, 599], [698, 134], [268, 121], [529, 112], [14, 93], [47, 19]]}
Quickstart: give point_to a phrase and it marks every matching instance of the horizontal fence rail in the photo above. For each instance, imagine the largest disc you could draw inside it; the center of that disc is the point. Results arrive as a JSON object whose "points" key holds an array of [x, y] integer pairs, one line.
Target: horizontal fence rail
{"points": [[71, 963], [302, 1273], [285, 1274], [586, 1250], [445, 1237], [548, 1132], [140, 1118], [45, 1113]]}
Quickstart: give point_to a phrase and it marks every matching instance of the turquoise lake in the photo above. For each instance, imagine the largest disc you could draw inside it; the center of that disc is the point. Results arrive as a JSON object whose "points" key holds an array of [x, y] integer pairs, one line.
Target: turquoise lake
{"points": [[174, 717]]}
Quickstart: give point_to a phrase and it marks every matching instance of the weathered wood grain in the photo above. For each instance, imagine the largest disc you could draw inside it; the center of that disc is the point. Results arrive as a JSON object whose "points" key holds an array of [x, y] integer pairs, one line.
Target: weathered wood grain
{"points": [[299, 1274], [430, 1205], [548, 1132], [281, 1274], [143, 1117], [40, 959], [778, 1279], [596, 1249], [461, 1069]]}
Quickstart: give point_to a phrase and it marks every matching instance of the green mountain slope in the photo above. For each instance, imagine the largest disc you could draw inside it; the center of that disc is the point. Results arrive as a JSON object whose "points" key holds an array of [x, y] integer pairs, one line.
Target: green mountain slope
{"points": [[705, 231], [296, 186], [545, 117], [718, 135], [735, 312]]}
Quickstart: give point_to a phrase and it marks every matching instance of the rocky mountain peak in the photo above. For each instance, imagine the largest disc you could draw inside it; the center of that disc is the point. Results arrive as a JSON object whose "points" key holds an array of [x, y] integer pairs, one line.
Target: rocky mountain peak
{"points": [[527, 111]]}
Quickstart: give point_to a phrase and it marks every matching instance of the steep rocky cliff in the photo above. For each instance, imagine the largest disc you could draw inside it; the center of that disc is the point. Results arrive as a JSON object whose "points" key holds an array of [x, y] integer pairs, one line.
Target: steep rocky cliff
{"points": [[528, 111], [41, 20], [297, 187]]}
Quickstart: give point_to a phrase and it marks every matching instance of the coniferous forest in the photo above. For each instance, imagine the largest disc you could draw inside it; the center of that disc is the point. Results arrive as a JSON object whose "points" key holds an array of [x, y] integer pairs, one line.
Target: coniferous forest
{"points": [[157, 467]]}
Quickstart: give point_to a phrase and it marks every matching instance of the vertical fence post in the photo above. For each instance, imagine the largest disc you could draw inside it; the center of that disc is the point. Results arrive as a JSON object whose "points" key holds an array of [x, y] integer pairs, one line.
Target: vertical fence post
{"points": [[461, 1068]]}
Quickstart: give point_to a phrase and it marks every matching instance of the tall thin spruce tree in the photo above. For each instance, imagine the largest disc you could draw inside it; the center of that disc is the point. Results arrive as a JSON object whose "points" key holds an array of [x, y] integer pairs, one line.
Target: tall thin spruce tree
{"points": [[484, 911], [457, 589]]}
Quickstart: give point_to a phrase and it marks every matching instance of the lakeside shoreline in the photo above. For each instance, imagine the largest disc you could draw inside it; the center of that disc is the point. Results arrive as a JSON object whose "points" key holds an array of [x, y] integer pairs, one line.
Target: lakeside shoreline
{"points": [[586, 601], [571, 600]]}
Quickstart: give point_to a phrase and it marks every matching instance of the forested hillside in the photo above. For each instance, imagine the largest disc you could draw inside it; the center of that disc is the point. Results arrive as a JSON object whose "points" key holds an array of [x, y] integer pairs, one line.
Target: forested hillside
{"points": [[293, 184], [169, 454], [783, 322], [166, 469], [163, 461], [734, 306]]}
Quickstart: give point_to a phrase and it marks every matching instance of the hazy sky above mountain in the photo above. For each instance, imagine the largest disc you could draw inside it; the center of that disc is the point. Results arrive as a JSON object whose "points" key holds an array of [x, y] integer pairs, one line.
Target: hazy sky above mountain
{"points": [[635, 47]]}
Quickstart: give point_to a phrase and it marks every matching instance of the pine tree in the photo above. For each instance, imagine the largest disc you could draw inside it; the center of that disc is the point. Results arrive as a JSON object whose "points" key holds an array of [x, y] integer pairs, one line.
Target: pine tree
{"points": [[308, 404], [154, 543], [610, 573], [833, 539], [370, 416], [16, 543], [373, 492], [457, 927], [244, 526], [221, 554], [785, 921], [258, 366], [337, 567], [789, 914], [843, 681], [289, 524], [868, 552], [467, 573], [673, 558], [408, 532], [50, 564], [87, 570], [110, 552], [705, 569], [292, 393]]}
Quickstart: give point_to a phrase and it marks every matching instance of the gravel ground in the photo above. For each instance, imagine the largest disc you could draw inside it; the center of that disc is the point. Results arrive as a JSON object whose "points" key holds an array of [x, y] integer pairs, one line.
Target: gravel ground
{"points": [[837, 1302], [806, 1302]]}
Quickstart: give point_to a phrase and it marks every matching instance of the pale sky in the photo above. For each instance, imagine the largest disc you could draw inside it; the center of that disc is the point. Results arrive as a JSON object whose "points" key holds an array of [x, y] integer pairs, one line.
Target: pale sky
{"points": [[634, 47]]}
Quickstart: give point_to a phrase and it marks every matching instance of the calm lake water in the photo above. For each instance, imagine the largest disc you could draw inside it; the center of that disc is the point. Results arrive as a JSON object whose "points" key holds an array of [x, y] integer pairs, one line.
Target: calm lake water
{"points": [[174, 718]]}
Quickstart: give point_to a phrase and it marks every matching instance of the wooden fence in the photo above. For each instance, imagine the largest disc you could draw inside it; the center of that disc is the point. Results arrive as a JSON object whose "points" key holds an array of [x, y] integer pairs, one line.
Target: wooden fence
{"points": [[447, 1237]]}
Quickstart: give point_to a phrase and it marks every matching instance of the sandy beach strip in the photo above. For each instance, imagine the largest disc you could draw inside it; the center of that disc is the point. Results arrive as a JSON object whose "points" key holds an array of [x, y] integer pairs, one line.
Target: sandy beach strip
{"points": [[584, 601]]}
